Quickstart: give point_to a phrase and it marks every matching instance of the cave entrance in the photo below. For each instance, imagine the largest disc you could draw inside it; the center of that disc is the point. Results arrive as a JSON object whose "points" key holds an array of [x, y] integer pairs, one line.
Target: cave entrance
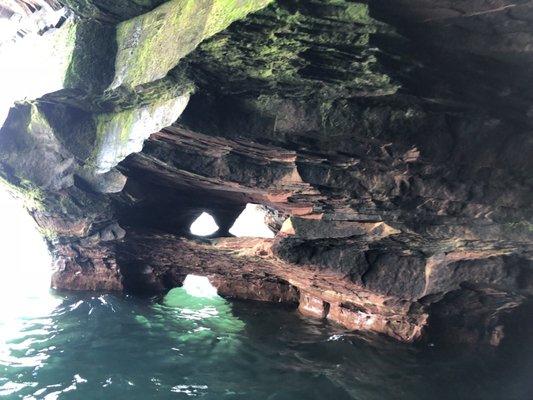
{"points": [[25, 267], [24, 257], [252, 223], [204, 225]]}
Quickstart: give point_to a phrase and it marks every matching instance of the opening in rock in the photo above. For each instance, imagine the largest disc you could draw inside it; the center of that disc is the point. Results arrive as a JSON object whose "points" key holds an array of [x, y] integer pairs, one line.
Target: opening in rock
{"points": [[251, 223], [25, 262], [25, 267], [204, 225], [17, 55], [199, 286]]}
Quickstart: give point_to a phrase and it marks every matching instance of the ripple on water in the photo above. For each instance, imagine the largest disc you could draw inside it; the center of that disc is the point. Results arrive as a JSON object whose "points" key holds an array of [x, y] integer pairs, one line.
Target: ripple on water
{"points": [[112, 347]]}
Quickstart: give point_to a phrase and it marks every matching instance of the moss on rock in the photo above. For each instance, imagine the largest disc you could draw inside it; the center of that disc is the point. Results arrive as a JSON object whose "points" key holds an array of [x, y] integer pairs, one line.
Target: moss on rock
{"points": [[297, 48], [150, 45], [31, 196], [92, 60], [76, 58], [120, 134]]}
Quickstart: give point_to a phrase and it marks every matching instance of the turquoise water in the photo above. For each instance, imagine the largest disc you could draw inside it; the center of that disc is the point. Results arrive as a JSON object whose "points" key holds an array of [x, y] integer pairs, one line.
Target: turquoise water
{"points": [[87, 346]]}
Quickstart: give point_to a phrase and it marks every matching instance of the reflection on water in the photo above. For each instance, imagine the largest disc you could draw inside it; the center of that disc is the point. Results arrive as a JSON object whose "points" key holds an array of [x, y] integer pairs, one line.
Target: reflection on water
{"points": [[206, 322], [181, 346]]}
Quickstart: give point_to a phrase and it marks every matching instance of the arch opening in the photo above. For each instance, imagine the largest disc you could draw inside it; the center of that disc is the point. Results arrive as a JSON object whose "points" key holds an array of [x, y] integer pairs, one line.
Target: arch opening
{"points": [[24, 257], [199, 286], [204, 225], [25, 267], [252, 223]]}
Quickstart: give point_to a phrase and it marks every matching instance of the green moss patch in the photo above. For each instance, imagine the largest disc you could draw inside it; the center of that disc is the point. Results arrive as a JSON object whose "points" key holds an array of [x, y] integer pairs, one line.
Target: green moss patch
{"points": [[297, 48], [152, 44]]}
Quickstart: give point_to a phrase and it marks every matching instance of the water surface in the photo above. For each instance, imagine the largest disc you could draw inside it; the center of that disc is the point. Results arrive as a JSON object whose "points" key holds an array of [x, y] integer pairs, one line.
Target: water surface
{"points": [[87, 346]]}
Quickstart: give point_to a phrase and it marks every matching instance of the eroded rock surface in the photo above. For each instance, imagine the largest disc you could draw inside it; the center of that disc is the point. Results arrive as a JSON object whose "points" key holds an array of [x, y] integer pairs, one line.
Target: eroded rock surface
{"points": [[389, 142]]}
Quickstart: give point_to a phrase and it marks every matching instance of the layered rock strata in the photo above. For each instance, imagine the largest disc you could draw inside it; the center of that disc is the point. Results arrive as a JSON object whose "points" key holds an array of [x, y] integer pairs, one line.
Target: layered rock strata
{"points": [[394, 165]]}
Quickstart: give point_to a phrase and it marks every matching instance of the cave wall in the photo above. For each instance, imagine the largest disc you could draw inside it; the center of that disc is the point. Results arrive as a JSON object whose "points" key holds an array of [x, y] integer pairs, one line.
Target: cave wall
{"points": [[395, 164]]}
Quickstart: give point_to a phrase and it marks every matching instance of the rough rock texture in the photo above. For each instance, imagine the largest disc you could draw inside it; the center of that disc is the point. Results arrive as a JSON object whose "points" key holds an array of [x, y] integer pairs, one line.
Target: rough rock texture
{"points": [[389, 141], [174, 29]]}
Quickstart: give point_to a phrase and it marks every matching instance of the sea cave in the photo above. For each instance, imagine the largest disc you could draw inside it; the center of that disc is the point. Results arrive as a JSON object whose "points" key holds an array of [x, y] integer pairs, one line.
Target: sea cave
{"points": [[266, 199]]}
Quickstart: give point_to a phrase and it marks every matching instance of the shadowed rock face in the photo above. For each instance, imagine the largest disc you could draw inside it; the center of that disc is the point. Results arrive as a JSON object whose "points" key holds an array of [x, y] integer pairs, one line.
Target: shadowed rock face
{"points": [[390, 142]]}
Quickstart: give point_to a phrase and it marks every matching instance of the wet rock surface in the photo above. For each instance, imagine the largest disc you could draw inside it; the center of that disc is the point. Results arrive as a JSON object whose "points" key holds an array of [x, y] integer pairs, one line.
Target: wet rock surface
{"points": [[394, 166]]}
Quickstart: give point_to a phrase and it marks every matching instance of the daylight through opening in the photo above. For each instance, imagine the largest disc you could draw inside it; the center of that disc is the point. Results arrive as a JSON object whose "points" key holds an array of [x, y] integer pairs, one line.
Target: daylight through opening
{"points": [[199, 286], [24, 260], [204, 225], [251, 223], [25, 268]]}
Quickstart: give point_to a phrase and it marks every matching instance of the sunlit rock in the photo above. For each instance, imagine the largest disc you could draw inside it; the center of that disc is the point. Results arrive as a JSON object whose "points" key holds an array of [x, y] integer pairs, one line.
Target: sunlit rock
{"points": [[174, 29], [312, 306], [112, 181], [309, 228], [120, 134]]}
